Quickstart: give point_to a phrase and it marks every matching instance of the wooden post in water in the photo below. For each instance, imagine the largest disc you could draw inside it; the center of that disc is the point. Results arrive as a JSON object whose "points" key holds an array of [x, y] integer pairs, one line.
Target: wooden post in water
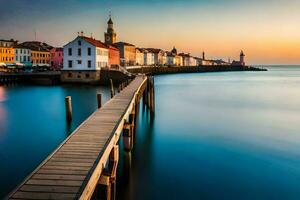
{"points": [[128, 132], [152, 95], [68, 101], [112, 90], [148, 93], [99, 100], [144, 97]]}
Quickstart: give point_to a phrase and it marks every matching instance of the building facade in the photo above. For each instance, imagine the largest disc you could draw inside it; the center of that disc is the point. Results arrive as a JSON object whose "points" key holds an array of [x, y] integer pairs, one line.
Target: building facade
{"points": [[83, 59], [114, 57], [57, 58], [140, 57], [127, 53], [148, 58], [22, 55], [40, 53], [160, 57], [7, 55]]}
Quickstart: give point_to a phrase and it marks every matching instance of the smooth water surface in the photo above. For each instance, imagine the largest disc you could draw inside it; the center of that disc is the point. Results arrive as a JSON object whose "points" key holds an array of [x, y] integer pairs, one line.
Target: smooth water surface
{"points": [[231, 135], [33, 124]]}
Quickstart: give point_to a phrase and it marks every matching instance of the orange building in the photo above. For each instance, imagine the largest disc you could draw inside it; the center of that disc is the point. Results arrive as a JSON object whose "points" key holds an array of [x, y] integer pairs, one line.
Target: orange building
{"points": [[40, 58], [40, 53], [7, 55]]}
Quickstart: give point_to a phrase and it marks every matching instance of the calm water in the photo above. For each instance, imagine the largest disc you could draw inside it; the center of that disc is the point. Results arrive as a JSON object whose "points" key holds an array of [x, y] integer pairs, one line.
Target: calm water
{"points": [[33, 124], [218, 136], [215, 135]]}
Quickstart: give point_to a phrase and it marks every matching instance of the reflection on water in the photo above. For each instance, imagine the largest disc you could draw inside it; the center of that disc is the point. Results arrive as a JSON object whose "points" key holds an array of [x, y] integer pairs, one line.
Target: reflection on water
{"points": [[218, 136], [2, 94], [33, 124]]}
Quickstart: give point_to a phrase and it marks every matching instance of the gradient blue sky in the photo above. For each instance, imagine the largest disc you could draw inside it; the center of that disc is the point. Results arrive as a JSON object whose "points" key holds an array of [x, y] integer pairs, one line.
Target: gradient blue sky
{"points": [[267, 30]]}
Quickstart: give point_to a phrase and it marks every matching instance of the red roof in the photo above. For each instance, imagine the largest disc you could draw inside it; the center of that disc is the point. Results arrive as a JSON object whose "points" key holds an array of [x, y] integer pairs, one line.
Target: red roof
{"points": [[94, 42]]}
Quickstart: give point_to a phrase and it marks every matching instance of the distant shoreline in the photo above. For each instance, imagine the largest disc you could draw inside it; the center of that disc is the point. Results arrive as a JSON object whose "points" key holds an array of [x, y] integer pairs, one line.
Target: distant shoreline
{"points": [[196, 69]]}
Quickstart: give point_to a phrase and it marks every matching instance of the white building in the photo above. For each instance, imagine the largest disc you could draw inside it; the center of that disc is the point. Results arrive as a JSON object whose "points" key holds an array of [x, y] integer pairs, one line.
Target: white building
{"points": [[139, 56], [22, 55], [83, 59], [148, 58], [170, 59], [193, 61]]}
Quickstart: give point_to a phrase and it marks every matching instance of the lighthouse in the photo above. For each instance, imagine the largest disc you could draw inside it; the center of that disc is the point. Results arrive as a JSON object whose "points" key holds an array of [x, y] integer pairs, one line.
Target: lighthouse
{"points": [[242, 58]]}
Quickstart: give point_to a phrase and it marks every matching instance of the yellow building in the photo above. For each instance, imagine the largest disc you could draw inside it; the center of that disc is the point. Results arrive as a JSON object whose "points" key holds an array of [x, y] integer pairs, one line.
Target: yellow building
{"points": [[7, 55], [40, 53], [40, 58]]}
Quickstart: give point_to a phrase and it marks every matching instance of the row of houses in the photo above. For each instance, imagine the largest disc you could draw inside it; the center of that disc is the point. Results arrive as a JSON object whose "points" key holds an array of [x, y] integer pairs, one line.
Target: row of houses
{"points": [[30, 54]]}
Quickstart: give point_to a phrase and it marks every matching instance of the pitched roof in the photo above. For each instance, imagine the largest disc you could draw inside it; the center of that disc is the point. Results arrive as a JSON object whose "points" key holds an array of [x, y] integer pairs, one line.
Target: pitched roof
{"points": [[37, 46], [110, 21], [153, 50], [94, 42]]}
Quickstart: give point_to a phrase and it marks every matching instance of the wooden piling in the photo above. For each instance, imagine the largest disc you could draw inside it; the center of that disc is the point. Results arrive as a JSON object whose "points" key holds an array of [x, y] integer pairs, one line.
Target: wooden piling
{"points": [[68, 101], [152, 95], [112, 90], [99, 100]]}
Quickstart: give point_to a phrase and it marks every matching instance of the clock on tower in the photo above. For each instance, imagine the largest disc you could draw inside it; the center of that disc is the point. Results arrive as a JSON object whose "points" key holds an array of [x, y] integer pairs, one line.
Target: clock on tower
{"points": [[110, 36]]}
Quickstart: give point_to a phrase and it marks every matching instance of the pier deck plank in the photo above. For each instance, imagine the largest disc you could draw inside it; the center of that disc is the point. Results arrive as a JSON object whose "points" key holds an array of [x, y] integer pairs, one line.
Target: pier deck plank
{"points": [[66, 173]]}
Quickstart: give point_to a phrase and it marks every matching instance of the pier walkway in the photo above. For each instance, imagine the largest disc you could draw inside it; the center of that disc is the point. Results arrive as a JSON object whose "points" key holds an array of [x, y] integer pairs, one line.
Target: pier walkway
{"points": [[89, 156]]}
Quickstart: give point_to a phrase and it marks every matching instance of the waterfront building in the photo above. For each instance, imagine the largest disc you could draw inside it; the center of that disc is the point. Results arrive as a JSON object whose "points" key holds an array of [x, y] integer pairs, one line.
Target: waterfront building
{"points": [[57, 58], [192, 61], [7, 55], [160, 57], [113, 56], [22, 55], [83, 59], [170, 59], [178, 60], [241, 62], [148, 58], [40, 53], [127, 53], [110, 36], [185, 59], [139, 57], [8, 43]]}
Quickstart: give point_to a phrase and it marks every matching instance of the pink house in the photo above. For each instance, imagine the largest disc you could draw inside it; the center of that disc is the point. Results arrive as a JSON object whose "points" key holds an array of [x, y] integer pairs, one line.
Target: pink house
{"points": [[57, 58]]}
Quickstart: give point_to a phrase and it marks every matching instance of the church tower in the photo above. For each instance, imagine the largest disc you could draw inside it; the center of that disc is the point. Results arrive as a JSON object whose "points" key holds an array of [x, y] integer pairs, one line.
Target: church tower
{"points": [[110, 36]]}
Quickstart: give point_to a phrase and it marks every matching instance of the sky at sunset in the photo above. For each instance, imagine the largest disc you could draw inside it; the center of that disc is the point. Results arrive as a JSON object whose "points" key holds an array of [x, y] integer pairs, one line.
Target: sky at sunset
{"points": [[267, 30]]}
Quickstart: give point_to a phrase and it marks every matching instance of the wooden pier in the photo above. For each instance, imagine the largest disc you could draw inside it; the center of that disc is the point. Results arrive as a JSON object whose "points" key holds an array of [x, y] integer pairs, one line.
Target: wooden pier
{"points": [[88, 158]]}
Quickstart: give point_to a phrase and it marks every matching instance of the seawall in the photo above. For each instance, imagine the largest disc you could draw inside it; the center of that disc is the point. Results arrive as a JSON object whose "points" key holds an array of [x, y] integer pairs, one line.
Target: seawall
{"points": [[195, 69]]}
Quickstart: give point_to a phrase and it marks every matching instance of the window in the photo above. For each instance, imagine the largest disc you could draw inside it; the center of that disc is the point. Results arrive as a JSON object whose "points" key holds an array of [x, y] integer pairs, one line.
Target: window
{"points": [[79, 52], [70, 64], [89, 64], [24, 58], [21, 51], [70, 75], [87, 75], [70, 51], [79, 43], [79, 62], [16, 51], [89, 51]]}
